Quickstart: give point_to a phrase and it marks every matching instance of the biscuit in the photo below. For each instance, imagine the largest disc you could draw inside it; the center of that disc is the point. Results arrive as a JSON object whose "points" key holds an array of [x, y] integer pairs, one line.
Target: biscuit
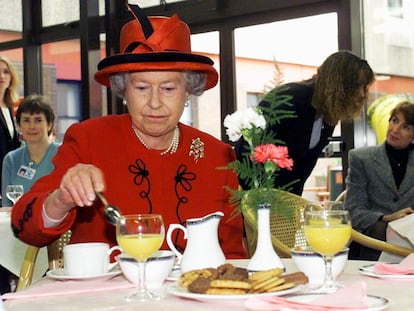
{"points": [[230, 284], [200, 285], [266, 285], [282, 287], [262, 275], [225, 291], [297, 278], [188, 277]]}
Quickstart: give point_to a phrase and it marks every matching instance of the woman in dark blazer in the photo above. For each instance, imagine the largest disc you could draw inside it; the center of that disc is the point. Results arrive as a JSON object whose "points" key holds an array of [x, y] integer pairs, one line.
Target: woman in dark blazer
{"points": [[380, 180], [336, 92], [9, 138]]}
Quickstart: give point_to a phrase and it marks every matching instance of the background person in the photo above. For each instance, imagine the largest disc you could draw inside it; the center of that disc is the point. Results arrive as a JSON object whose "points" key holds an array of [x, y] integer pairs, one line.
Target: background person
{"points": [[145, 161], [380, 181], [337, 92], [23, 166], [9, 138]]}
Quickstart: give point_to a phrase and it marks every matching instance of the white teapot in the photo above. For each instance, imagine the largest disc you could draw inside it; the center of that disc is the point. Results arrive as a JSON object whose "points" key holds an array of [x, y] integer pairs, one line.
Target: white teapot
{"points": [[203, 248]]}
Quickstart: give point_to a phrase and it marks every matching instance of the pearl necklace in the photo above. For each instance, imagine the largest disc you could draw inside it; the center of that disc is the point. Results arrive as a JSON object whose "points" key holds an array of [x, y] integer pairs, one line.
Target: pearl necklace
{"points": [[172, 148]]}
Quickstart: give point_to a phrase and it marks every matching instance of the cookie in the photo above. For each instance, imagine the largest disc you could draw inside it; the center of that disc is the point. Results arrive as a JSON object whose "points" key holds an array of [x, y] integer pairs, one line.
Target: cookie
{"points": [[225, 291], [284, 286], [266, 274], [200, 285], [297, 278], [266, 285], [230, 284], [188, 277]]}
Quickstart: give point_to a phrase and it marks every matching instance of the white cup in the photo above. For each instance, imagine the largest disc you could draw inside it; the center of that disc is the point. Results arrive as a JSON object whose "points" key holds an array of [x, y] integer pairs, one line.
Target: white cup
{"points": [[312, 264], [157, 268], [87, 259]]}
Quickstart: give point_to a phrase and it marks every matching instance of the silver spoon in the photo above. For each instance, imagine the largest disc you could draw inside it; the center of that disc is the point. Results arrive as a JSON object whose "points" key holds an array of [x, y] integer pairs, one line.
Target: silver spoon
{"points": [[111, 212]]}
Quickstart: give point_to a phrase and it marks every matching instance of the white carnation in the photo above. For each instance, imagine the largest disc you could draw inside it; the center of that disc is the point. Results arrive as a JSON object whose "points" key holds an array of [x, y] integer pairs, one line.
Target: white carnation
{"points": [[241, 120]]}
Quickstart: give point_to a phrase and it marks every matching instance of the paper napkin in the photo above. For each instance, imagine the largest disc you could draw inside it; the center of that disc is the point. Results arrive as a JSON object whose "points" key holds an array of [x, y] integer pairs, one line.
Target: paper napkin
{"points": [[72, 287], [403, 227], [406, 266], [351, 297]]}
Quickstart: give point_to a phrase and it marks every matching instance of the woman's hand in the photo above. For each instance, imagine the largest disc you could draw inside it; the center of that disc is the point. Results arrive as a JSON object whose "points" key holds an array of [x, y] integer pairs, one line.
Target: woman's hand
{"points": [[397, 215], [77, 188]]}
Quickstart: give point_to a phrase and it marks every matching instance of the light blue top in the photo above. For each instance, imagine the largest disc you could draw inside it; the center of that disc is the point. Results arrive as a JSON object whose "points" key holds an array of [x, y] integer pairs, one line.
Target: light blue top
{"points": [[19, 169]]}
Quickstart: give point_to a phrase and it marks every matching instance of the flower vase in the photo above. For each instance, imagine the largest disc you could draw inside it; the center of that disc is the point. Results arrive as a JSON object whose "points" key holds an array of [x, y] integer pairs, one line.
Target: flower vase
{"points": [[264, 257]]}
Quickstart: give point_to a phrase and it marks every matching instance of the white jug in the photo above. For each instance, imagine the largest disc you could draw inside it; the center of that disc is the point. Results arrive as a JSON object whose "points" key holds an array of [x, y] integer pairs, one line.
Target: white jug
{"points": [[203, 248]]}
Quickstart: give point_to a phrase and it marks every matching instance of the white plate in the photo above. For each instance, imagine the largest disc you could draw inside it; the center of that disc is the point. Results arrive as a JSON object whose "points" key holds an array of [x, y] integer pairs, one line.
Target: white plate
{"points": [[59, 274], [369, 270], [375, 303], [176, 290]]}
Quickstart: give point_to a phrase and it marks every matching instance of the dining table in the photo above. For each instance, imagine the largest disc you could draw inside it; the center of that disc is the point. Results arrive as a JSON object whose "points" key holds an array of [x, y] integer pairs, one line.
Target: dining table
{"points": [[13, 250], [398, 292]]}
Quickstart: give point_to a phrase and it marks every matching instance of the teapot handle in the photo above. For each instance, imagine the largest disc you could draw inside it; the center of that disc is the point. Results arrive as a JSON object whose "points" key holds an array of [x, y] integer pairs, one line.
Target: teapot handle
{"points": [[170, 243]]}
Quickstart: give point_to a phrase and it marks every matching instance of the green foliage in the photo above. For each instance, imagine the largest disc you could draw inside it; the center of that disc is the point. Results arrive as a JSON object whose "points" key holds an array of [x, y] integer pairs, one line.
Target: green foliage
{"points": [[273, 112]]}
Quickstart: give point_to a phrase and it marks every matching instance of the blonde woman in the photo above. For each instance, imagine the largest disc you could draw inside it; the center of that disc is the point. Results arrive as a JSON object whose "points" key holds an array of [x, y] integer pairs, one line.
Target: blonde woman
{"points": [[9, 138]]}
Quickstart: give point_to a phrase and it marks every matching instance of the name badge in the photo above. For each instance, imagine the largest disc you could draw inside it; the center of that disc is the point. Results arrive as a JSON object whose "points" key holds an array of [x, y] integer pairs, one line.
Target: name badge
{"points": [[26, 172]]}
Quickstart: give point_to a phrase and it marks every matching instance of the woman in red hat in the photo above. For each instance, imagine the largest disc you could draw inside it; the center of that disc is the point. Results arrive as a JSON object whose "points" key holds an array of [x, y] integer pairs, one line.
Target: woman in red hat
{"points": [[145, 161]]}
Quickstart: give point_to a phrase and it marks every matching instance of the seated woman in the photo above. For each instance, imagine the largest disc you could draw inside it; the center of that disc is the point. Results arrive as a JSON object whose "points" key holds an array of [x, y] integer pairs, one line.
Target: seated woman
{"points": [[145, 161], [25, 165], [380, 181]]}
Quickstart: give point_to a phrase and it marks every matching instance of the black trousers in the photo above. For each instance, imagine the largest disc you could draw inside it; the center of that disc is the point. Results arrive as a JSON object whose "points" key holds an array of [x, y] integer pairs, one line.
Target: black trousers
{"points": [[359, 252], [4, 280]]}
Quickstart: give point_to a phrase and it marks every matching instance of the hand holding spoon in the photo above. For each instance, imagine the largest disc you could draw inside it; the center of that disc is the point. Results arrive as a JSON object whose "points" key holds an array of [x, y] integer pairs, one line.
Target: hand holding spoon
{"points": [[111, 212]]}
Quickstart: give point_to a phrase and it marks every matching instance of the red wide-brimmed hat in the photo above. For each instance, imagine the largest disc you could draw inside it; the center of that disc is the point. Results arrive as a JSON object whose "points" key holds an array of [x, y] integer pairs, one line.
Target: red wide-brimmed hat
{"points": [[155, 43]]}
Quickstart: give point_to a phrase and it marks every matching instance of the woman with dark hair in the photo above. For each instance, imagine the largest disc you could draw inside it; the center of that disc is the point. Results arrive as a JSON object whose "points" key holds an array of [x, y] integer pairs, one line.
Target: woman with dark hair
{"points": [[23, 166], [145, 161], [380, 180], [337, 92]]}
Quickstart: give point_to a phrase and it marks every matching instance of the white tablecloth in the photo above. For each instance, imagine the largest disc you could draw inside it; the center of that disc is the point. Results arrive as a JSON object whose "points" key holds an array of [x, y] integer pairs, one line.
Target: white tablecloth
{"points": [[399, 293], [12, 250]]}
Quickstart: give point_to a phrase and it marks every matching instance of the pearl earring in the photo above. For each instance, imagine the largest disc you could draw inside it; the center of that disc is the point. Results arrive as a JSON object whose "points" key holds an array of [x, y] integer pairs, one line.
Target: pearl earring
{"points": [[187, 102], [124, 102]]}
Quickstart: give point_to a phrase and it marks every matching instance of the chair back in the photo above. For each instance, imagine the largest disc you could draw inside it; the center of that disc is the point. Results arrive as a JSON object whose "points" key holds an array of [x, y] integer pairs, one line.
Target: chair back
{"points": [[373, 243], [286, 233], [55, 251], [55, 257]]}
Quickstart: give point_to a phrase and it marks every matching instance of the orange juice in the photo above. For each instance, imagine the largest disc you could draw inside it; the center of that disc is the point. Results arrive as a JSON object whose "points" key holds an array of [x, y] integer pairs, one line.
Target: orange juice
{"points": [[140, 246], [328, 240]]}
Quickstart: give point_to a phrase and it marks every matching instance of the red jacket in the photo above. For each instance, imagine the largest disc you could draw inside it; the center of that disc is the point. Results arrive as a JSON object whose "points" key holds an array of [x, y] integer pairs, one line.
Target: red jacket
{"points": [[138, 180]]}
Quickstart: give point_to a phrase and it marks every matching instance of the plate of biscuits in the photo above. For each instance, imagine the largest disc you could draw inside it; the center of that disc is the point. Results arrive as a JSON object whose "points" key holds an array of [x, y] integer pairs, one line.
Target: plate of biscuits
{"points": [[228, 282]]}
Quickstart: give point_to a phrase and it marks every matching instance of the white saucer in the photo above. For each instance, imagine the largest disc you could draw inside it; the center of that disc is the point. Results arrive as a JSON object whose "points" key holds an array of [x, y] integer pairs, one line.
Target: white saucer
{"points": [[370, 271], [59, 274]]}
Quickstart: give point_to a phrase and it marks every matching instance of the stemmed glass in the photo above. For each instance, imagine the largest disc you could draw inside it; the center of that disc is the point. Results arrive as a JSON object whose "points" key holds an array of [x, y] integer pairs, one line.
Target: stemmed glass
{"points": [[140, 236], [327, 232], [14, 192]]}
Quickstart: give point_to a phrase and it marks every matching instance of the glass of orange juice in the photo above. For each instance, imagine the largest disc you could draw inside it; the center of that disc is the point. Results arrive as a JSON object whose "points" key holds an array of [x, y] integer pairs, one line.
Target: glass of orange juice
{"points": [[140, 236], [327, 232]]}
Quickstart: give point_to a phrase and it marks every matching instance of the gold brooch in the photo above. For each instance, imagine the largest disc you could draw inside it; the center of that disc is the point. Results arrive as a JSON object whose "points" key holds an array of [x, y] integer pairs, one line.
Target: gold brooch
{"points": [[196, 149]]}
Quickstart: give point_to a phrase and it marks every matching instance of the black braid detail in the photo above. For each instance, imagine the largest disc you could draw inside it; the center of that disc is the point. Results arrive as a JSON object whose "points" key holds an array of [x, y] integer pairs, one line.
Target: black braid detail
{"points": [[27, 214], [141, 176], [183, 179]]}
